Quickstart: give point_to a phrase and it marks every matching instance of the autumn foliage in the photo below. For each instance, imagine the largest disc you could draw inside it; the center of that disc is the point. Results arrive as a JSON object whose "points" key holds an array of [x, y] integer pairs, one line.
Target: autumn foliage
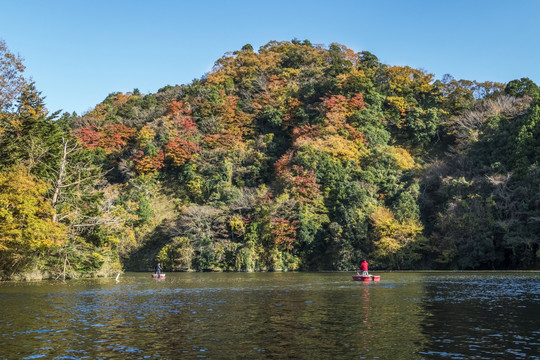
{"points": [[292, 156], [111, 138]]}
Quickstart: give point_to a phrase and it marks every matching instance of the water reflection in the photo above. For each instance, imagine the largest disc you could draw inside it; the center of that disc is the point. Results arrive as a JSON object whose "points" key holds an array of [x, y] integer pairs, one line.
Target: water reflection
{"points": [[263, 316], [482, 316]]}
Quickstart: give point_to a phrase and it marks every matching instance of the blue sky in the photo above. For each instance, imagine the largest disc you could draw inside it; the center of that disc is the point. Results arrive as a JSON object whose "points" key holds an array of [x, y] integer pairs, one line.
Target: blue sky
{"points": [[78, 52]]}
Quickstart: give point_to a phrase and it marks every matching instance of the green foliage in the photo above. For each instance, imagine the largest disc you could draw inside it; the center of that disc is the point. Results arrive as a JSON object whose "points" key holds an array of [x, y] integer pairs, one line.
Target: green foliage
{"points": [[176, 255], [29, 136], [510, 144], [522, 87], [295, 156]]}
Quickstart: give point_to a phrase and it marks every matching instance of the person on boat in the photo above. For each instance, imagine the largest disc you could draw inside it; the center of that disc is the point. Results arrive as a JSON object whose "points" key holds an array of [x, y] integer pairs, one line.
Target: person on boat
{"points": [[364, 267], [158, 269]]}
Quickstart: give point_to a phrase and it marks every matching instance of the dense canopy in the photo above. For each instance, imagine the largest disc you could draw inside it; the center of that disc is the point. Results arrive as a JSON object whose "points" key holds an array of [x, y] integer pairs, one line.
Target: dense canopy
{"points": [[294, 157]]}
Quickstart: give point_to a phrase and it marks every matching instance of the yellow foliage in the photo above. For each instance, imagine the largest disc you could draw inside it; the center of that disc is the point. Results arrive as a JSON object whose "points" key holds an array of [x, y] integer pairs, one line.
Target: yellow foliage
{"points": [[195, 187], [237, 224], [216, 78], [348, 80], [404, 77], [25, 216], [390, 234], [290, 73], [121, 99], [97, 256], [98, 114], [403, 159], [146, 135], [335, 145], [426, 88], [398, 103]]}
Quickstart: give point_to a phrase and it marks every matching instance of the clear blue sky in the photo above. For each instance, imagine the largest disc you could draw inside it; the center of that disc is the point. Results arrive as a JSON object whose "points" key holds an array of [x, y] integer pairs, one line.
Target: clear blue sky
{"points": [[78, 52]]}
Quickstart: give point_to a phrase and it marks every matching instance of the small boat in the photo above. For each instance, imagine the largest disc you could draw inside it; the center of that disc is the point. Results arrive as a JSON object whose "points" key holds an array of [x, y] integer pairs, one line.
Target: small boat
{"points": [[359, 277], [158, 276]]}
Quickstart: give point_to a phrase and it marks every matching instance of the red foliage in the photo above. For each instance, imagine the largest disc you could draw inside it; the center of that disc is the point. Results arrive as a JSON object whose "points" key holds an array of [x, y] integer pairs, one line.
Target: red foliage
{"points": [[179, 150], [146, 164], [115, 136], [89, 136], [301, 183], [186, 126], [111, 137], [357, 102], [332, 102], [342, 104], [284, 231], [180, 113], [283, 162], [307, 131]]}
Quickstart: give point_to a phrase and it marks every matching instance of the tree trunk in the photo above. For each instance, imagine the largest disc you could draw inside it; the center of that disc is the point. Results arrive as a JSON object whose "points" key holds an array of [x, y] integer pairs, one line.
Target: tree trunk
{"points": [[60, 178]]}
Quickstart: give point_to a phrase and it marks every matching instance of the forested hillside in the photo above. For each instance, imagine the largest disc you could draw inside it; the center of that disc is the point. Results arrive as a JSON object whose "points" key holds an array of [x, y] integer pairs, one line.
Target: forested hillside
{"points": [[293, 157]]}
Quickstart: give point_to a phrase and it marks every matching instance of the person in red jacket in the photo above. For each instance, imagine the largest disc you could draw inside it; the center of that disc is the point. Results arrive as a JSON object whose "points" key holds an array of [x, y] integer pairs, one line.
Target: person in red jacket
{"points": [[364, 267]]}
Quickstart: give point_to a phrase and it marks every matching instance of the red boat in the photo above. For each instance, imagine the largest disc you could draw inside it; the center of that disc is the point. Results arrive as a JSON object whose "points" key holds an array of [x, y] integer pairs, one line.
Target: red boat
{"points": [[359, 277], [156, 276]]}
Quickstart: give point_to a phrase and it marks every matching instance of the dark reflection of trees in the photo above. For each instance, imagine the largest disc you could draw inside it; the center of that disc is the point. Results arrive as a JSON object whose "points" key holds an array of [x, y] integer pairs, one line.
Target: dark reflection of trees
{"points": [[296, 322], [481, 317], [234, 316]]}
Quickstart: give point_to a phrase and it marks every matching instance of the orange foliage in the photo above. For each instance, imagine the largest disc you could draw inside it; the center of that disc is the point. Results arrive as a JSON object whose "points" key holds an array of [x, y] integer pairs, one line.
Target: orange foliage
{"points": [[242, 65], [111, 137], [222, 140], [272, 94], [306, 131], [338, 109], [179, 150], [115, 137], [178, 108], [335, 136], [339, 103], [301, 183], [276, 94], [291, 107], [120, 99], [146, 164], [182, 120], [235, 123], [284, 231], [349, 54], [283, 162]]}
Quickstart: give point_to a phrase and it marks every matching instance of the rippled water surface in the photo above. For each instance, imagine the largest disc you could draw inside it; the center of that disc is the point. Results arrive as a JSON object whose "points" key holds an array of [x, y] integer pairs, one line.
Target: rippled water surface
{"points": [[420, 315]]}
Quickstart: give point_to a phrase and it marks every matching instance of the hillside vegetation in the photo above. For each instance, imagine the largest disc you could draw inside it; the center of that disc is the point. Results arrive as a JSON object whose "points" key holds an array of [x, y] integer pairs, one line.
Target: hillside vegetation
{"points": [[293, 157]]}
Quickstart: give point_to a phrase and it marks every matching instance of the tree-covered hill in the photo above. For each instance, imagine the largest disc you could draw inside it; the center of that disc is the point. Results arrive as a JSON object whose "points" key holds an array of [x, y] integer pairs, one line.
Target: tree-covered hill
{"points": [[293, 157]]}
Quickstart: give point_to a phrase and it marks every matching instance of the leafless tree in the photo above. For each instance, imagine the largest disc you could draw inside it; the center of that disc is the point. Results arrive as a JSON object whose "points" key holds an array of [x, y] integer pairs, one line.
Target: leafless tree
{"points": [[11, 79]]}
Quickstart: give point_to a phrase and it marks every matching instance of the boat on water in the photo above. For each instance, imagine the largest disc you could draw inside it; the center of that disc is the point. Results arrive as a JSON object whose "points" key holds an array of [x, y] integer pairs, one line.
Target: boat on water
{"points": [[158, 276], [359, 277]]}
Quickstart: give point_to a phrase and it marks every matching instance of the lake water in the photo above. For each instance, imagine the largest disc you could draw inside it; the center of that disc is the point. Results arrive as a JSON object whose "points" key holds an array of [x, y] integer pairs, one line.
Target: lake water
{"points": [[408, 315]]}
